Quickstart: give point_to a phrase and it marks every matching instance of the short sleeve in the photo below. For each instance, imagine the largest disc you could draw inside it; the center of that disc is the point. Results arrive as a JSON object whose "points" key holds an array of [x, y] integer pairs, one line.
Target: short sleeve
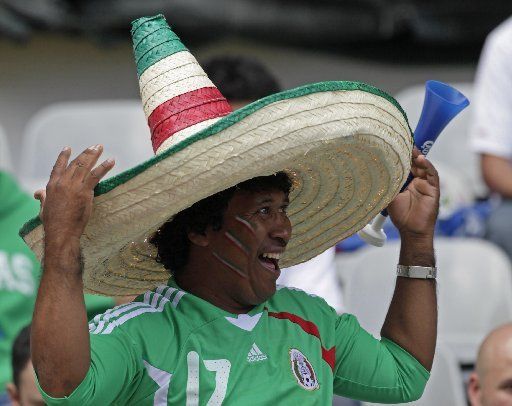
{"points": [[374, 370], [491, 127], [115, 371]]}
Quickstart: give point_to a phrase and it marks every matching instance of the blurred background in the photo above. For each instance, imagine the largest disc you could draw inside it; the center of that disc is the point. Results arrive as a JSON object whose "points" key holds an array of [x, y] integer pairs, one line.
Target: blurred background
{"points": [[68, 77], [62, 50]]}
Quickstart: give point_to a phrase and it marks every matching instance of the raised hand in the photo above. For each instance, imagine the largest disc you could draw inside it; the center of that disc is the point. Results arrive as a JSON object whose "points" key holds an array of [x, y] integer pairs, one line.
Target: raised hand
{"points": [[414, 211], [66, 204]]}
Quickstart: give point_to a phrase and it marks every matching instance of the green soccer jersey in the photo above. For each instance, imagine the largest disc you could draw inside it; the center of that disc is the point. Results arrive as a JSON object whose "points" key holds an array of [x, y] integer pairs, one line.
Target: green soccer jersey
{"points": [[170, 347]]}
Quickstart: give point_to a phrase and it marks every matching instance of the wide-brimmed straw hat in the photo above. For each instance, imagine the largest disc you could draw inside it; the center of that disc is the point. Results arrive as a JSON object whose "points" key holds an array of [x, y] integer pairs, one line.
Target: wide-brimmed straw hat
{"points": [[346, 145]]}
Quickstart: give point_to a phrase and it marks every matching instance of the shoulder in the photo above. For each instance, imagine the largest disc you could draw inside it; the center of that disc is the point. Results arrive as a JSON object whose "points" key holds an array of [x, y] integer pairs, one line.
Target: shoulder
{"points": [[300, 302], [147, 311]]}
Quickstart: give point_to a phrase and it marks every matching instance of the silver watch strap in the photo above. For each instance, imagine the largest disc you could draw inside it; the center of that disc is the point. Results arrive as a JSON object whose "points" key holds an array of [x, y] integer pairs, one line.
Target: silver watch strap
{"points": [[419, 272]]}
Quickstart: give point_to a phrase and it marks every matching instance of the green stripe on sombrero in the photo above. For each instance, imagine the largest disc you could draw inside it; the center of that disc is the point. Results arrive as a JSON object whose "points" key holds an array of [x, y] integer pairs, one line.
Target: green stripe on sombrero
{"points": [[153, 40], [225, 122]]}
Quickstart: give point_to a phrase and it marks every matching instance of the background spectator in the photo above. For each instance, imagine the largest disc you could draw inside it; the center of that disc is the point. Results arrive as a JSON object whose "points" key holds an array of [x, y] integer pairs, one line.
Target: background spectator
{"points": [[491, 383], [23, 390], [491, 133]]}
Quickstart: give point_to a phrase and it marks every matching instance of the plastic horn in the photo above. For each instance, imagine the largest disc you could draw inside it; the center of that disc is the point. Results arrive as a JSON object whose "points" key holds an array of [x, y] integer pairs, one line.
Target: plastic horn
{"points": [[442, 103]]}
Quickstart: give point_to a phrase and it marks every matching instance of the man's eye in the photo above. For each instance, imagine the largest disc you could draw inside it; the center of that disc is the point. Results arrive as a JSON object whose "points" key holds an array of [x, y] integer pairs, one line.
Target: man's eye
{"points": [[264, 210]]}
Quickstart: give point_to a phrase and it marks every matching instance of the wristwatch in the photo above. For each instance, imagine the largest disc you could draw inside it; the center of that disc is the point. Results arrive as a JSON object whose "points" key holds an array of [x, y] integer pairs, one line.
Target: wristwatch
{"points": [[419, 272]]}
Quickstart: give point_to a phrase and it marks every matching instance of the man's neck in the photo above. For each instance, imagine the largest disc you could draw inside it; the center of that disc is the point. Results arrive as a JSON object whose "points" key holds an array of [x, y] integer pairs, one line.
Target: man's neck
{"points": [[211, 289]]}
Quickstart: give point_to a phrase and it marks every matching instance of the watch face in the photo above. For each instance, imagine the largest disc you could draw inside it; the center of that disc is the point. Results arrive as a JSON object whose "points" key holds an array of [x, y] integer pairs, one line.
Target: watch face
{"points": [[419, 272]]}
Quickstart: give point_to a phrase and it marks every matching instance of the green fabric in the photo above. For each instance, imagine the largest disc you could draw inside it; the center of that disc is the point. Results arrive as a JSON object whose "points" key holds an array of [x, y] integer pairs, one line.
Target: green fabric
{"points": [[225, 122], [153, 40], [170, 347], [20, 272], [96, 304]]}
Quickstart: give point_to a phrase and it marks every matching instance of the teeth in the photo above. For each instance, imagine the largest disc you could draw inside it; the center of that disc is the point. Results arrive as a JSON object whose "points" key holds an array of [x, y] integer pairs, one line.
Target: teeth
{"points": [[271, 255]]}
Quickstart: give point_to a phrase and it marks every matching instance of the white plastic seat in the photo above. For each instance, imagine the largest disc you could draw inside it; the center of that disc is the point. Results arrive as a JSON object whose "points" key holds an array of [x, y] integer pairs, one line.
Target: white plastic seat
{"points": [[452, 147], [119, 125], [5, 153], [445, 386], [474, 290]]}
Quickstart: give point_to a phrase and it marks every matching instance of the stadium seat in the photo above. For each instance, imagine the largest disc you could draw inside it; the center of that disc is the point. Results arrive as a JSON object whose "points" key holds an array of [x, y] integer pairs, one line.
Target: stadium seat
{"points": [[119, 125], [5, 153], [445, 386], [452, 147], [474, 289]]}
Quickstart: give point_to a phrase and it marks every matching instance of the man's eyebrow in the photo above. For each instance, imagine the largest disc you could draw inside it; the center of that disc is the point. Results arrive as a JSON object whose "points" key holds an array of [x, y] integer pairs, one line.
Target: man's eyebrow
{"points": [[268, 199]]}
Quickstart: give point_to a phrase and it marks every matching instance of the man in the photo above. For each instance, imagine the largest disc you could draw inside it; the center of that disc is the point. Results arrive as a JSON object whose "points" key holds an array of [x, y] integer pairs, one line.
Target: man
{"points": [[491, 132], [242, 80], [491, 382], [219, 331], [23, 390]]}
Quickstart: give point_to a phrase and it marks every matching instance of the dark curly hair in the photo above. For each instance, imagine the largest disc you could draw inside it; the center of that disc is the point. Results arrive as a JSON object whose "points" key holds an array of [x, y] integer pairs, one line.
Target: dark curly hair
{"points": [[171, 240], [241, 77]]}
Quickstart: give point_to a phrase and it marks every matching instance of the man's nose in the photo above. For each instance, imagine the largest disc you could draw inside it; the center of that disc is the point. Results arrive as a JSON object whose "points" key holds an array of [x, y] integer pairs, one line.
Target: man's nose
{"points": [[282, 229]]}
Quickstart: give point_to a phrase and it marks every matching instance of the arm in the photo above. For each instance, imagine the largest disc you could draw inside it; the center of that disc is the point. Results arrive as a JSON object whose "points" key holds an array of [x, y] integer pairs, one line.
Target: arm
{"points": [[411, 321], [60, 337], [372, 370], [497, 173]]}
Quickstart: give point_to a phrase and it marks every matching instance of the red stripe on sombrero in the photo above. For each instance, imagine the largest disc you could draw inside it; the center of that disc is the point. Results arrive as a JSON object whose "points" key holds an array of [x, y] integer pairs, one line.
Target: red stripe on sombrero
{"points": [[328, 355], [184, 111]]}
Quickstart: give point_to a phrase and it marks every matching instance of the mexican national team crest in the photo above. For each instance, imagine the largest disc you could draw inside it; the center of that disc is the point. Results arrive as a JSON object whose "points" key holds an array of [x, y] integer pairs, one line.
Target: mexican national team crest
{"points": [[303, 370]]}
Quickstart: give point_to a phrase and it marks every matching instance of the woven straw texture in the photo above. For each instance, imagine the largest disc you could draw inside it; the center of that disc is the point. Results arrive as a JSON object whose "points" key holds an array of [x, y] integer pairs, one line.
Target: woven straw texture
{"points": [[347, 146]]}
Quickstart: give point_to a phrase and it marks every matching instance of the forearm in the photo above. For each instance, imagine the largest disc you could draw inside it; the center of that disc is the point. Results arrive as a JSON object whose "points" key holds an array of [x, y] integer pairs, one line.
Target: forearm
{"points": [[497, 173], [60, 336], [411, 321]]}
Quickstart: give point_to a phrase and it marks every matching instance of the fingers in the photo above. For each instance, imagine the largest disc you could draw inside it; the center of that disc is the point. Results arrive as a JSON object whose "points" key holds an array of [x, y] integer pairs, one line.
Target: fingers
{"points": [[40, 195], [98, 173], [423, 168], [425, 188], [79, 170], [415, 152], [80, 167], [60, 164]]}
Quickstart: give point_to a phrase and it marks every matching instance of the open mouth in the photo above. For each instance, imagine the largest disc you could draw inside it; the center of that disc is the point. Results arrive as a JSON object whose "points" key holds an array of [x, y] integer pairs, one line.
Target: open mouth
{"points": [[270, 261]]}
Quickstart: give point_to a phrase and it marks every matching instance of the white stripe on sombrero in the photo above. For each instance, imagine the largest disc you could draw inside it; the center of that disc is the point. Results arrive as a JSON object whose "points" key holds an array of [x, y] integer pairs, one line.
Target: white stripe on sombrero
{"points": [[169, 78], [175, 89], [168, 63], [184, 134]]}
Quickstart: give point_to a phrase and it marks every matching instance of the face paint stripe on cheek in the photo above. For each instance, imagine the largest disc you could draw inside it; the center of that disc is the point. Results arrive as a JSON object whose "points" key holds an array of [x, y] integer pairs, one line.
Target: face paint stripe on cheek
{"points": [[229, 265], [247, 224], [237, 243]]}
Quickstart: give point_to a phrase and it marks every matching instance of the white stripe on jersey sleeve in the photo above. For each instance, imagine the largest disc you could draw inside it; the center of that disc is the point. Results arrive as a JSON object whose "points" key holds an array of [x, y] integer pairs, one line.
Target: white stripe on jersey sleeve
{"points": [[177, 298], [153, 302], [97, 325]]}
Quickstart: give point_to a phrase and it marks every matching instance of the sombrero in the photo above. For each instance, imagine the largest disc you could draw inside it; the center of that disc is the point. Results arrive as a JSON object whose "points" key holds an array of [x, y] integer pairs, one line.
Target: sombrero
{"points": [[346, 145]]}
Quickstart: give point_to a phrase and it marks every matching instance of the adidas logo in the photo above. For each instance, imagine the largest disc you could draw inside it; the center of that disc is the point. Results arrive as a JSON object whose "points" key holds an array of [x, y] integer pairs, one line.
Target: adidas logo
{"points": [[255, 354]]}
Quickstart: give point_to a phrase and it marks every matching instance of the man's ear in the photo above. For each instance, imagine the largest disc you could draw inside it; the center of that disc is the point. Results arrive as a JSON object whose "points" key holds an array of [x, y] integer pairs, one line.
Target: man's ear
{"points": [[474, 390], [200, 239], [14, 395]]}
